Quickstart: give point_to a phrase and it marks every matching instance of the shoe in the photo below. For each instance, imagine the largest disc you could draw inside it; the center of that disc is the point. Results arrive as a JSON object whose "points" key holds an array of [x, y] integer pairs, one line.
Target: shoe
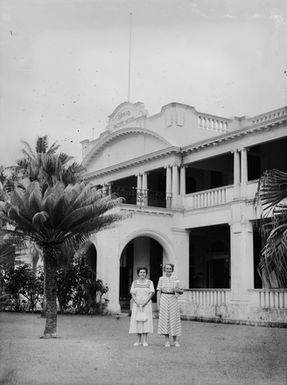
{"points": [[145, 344], [137, 344], [167, 344], [176, 344]]}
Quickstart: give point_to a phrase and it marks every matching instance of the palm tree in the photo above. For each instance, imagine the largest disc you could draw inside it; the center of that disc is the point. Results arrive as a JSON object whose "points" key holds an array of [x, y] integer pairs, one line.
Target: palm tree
{"points": [[45, 165], [272, 196], [57, 219]]}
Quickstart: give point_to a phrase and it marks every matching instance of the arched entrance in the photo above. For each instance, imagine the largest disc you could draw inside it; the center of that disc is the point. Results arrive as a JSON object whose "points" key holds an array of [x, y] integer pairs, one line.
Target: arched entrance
{"points": [[142, 251]]}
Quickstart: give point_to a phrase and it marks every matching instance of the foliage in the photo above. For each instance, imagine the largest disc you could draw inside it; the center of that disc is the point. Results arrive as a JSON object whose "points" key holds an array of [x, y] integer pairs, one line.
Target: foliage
{"points": [[23, 286], [66, 282], [45, 165], [272, 196], [88, 291], [59, 218], [79, 290]]}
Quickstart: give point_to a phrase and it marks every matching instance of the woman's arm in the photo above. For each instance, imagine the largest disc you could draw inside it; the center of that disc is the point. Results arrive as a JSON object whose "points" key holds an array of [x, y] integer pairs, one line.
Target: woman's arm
{"points": [[134, 297], [148, 298], [158, 298]]}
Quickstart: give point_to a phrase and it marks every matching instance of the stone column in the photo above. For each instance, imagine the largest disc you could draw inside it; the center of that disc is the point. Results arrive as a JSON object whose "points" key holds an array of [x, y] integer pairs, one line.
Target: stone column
{"points": [[236, 174], [139, 189], [242, 264], [182, 189], [180, 240], [244, 172], [145, 188], [109, 264], [175, 185], [168, 186], [109, 187], [105, 189]]}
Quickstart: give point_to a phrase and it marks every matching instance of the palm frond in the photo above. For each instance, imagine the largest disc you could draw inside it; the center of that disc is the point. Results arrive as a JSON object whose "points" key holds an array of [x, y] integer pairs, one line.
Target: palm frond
{"points": [[272, 190], [272, 196]]}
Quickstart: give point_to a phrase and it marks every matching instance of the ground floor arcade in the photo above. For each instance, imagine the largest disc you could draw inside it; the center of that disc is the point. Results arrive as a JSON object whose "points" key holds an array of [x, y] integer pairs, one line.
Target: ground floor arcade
{"points": [[216, 264]]}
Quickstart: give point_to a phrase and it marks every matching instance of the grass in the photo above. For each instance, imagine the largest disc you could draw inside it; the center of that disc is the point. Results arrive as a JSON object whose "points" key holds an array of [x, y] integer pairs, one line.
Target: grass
{"points": [[98, 350]]}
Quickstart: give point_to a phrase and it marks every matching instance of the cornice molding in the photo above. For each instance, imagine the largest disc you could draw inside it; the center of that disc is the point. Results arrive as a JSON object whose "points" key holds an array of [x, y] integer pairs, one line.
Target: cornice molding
{"points": [[134, 162], [217, 140]]}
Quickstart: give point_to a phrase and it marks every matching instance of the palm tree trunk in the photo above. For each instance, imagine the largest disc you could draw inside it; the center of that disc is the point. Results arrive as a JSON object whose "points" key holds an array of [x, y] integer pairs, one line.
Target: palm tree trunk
{"points": [[50, 282]]}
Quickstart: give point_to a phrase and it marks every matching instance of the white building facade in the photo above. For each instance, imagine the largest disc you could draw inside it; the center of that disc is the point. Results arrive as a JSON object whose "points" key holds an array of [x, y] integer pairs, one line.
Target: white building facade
{"points": [[189, 180]]}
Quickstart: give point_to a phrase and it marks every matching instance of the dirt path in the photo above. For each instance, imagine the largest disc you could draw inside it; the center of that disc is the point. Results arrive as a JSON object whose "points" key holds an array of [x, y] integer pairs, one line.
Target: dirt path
{"points": [[98, 351]]}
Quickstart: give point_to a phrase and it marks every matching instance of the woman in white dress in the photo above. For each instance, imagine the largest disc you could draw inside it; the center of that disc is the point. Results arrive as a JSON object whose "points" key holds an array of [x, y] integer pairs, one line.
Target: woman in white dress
{"points": [[142, 290]]}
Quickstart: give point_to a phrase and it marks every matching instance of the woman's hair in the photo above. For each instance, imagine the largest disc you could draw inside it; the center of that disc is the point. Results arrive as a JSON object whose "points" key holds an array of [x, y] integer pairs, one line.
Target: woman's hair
{"points": [[168, 264], [142, 268]]}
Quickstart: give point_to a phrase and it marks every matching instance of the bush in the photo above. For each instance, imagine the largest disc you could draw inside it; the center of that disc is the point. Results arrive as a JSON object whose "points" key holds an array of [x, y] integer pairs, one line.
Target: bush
{"points": [[22, 288], [89, 291], [78, 289]]}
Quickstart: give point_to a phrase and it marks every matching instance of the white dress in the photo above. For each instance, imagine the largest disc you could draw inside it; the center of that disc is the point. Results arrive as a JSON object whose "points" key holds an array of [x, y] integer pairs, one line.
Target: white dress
{"points": [[141, 290]]}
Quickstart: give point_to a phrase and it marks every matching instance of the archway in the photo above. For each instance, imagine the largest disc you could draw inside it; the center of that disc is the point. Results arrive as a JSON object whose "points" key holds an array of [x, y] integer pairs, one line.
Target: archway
{"points": [[142, 251]]}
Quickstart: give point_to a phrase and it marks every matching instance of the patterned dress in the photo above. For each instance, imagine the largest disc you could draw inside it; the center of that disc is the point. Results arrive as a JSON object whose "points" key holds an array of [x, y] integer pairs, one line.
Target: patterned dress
{"points": [[141, 289], [169, 315]]}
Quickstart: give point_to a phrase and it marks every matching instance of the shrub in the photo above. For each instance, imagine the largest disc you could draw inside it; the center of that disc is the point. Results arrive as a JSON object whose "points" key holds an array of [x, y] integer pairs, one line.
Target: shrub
{"points": [[22, 287]]}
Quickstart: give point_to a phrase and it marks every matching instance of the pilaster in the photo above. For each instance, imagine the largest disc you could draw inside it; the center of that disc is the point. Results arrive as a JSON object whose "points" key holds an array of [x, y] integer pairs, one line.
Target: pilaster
{"points": [[242, 264], [244, 171], [168, 186], [236, 174]]}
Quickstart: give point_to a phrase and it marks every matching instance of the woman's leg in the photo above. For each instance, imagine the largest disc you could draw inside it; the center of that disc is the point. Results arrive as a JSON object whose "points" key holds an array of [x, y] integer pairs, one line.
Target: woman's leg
{"points": [[139, 341], [167, 343], [144, 340], [176, 343]]}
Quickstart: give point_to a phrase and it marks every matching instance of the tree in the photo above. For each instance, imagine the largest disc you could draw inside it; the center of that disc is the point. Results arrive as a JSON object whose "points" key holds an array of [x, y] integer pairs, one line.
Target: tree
{"points": [[272, 196], [58, 219], [45, 165]]}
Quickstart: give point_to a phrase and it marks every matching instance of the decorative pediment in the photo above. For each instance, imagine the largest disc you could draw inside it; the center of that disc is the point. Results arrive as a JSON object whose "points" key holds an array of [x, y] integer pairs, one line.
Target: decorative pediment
{"points": [[124, 144], [126, 114]]}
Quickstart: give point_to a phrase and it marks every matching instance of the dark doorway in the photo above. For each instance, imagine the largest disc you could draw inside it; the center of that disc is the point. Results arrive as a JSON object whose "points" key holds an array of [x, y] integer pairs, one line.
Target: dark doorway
{"points": [[126, 274], [91, 257]]}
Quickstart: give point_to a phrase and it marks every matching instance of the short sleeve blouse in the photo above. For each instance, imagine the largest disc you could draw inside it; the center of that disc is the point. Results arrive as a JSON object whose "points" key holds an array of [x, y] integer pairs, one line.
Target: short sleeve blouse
{"points": [[167, 284]]}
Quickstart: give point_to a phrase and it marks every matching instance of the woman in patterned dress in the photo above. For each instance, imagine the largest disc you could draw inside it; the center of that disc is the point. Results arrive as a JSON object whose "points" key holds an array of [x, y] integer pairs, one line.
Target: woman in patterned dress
{"points": [[168, 290], [142, 290]]}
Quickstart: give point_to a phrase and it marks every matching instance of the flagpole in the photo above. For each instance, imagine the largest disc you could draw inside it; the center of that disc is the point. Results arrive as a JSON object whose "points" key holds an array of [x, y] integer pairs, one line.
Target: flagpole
{"points": [[130, 59]]}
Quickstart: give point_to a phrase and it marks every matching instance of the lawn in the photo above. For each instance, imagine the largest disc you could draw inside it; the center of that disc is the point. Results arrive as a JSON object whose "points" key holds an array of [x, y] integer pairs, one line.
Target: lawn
{"points": [[98, 350]]}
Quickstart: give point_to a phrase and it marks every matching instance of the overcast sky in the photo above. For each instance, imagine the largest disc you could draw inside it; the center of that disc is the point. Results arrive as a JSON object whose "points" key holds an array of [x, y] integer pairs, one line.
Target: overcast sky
{"points": [[64, 63]]}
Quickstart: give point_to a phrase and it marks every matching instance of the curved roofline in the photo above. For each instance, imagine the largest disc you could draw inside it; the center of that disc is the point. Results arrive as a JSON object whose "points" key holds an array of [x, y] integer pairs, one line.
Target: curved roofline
{"points": [[122, 132]]}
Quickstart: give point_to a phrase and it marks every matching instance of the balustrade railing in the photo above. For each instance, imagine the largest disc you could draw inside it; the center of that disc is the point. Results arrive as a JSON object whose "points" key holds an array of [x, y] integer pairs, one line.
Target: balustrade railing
{"points": [[207, 198], [269, 116], [214, 123], [273, 298], [207, 297]]}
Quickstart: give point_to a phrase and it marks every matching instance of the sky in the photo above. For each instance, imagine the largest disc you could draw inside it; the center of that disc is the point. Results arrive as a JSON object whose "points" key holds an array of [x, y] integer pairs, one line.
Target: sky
{"points": [[64, 63]]}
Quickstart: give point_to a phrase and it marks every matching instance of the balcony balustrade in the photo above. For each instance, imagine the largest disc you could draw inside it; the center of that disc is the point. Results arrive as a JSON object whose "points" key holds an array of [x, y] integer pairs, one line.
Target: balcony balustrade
{"points": [[142, 197], [271, 116], [207, 198]]}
